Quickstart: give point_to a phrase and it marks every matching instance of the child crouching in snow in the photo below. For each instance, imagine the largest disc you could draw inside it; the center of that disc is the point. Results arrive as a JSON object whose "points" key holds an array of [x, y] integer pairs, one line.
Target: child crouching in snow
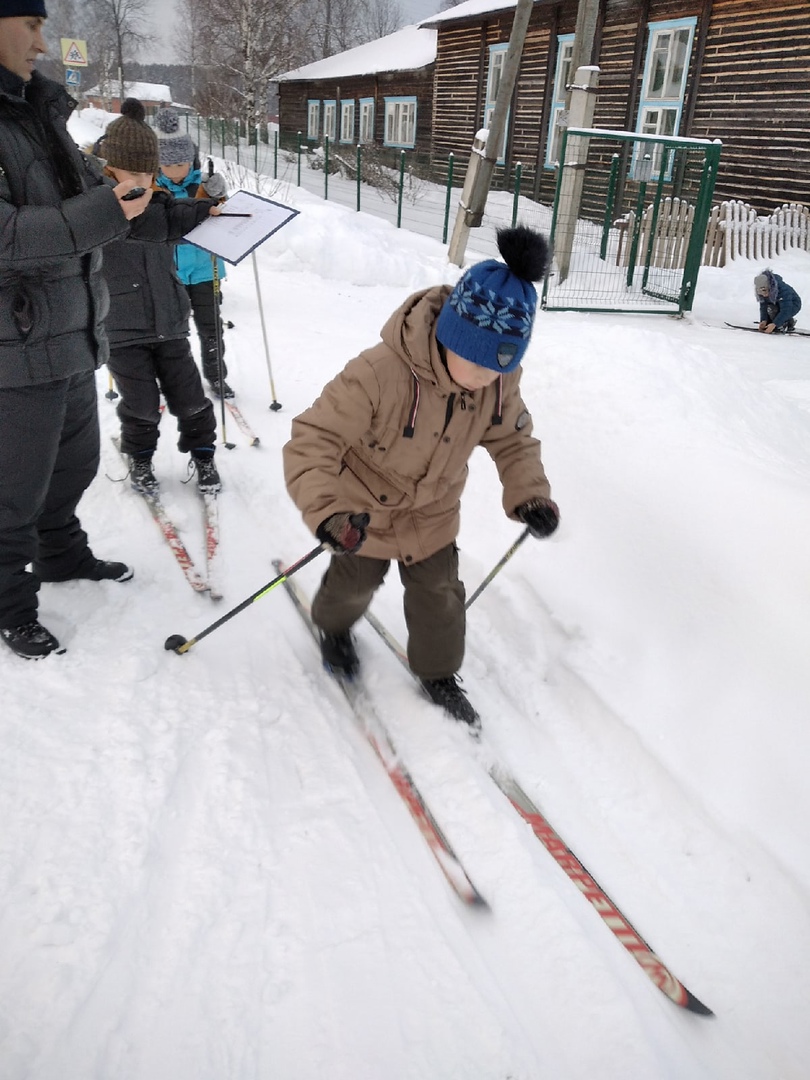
{"points": [[779, 303], [379, 461]]}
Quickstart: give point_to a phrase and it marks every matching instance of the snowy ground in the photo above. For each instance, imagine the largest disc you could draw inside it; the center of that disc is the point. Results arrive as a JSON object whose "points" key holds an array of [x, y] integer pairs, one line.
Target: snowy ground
{"points": [[204, 872]]}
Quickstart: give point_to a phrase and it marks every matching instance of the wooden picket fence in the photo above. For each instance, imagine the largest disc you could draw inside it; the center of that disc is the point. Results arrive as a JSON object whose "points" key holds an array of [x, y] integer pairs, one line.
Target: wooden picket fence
{"points": [[735, 230]]}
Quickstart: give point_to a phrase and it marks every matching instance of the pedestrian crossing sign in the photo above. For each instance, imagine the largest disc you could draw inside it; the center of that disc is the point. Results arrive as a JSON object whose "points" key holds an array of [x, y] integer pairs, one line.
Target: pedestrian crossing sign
{"points": [[74, 52]]}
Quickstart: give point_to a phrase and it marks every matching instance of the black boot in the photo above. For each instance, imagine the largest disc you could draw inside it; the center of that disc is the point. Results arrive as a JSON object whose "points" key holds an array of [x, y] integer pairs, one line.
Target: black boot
{"points": [[141, 477], [339, 654], [449, 696], [207, 476], [31, 641]]}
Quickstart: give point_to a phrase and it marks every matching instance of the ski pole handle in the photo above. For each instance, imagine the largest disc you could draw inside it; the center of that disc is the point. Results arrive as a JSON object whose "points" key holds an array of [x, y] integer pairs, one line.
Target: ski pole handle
{"points": [[177, 643]]}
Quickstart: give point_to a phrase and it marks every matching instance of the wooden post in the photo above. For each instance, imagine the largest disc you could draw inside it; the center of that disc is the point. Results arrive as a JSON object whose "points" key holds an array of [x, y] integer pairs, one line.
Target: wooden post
{"points": [[484, 156], [583, 102]]}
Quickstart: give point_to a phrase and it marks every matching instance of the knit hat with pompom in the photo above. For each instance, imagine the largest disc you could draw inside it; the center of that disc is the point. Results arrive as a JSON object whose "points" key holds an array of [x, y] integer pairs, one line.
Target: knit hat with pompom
{"points": [[488, 317], [129, 142]]}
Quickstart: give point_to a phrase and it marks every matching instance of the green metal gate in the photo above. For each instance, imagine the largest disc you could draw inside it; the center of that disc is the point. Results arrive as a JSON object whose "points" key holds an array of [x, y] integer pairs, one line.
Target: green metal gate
{"points": [[629, 221]]}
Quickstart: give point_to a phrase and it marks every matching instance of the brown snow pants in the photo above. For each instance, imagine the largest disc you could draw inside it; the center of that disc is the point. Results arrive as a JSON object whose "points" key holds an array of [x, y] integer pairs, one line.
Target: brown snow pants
{"points": [[433, 605]]}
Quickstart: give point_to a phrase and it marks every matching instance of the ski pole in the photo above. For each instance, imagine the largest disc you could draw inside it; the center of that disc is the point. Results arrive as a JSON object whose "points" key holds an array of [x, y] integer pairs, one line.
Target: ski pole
{"points": [[177, 643], [275, 405], [220, 374], [498, 567], [111, 394]]}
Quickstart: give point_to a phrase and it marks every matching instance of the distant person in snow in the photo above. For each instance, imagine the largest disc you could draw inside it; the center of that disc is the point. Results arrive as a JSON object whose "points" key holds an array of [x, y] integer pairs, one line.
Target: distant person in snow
{"points": [[180, 174], [379, 461], [779, 303]]}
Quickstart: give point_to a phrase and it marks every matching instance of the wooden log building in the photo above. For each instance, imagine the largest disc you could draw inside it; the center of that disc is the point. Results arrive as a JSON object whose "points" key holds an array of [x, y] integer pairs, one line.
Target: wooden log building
{"points": [[379, 94], [734, 70]]}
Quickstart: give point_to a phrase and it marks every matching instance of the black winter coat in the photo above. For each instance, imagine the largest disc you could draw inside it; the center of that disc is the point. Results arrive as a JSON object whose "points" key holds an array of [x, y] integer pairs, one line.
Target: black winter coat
{"points": [[148, 302], [56, 212]]}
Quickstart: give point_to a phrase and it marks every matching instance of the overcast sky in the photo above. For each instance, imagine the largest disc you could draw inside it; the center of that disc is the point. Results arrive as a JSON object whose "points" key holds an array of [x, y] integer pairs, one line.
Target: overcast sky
{"points": [[163, 24]]}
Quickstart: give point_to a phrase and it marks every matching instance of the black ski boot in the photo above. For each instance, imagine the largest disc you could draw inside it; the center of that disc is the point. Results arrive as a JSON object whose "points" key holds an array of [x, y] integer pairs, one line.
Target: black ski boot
{"points": [[339, 654], [220, 389], [31, 641], [449, 696], [208, 480], [141, 477]]}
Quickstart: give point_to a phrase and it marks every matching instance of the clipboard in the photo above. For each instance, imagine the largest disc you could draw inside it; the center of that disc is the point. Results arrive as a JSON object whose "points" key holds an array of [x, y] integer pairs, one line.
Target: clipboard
{"points": [[234, 238]]}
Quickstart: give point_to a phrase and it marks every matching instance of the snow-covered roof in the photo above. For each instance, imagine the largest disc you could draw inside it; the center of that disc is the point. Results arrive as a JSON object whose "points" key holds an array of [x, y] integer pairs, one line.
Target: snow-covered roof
{"points": [[405, 50], [143, 91], [467, 10]]}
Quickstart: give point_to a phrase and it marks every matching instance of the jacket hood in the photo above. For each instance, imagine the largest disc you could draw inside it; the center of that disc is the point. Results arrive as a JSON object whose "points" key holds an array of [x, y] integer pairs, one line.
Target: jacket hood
{"points": [[410, 333], [773, 281]]}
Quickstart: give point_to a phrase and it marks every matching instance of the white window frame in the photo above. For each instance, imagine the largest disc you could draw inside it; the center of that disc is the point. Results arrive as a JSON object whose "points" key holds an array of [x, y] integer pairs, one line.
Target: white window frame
{"points": [[347, 121], [366, 132], [329, 119], [313, 118], [400, 122], [562, 76], [660, 108], [497, 59]]}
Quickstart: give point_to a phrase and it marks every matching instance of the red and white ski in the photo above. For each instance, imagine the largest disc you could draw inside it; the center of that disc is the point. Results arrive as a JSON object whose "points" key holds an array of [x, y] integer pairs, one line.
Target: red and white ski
{"points": [[372, 727], [565, 858]]}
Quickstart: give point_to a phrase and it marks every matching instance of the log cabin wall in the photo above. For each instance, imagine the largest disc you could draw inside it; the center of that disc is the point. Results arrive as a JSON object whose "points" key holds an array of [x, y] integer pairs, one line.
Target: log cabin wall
{"points": [[754, 95], [294, 96], [748, 84]]}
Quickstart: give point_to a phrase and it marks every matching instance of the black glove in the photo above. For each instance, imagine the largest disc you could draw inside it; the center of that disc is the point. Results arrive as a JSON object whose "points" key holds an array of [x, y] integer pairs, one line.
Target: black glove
{"points": [[344, 533], [215, 186], [541, 515]]}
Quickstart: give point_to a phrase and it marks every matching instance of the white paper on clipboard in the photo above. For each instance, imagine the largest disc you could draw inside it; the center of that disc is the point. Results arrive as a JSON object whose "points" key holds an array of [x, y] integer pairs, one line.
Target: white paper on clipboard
{"points": [[232, 238]]}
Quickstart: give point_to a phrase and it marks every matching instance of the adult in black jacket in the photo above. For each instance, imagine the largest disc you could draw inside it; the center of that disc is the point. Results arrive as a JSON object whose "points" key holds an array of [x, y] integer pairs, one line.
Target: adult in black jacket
{"points": [[56, 212]]}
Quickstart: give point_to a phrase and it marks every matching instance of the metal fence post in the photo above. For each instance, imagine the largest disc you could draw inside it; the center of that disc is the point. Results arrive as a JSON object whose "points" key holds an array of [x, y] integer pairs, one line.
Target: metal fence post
{"points": [[401, 185], [326, 168], [223, 135], [447, 197], [359, 167], [516, 199], [611, 195], [299, 159]]}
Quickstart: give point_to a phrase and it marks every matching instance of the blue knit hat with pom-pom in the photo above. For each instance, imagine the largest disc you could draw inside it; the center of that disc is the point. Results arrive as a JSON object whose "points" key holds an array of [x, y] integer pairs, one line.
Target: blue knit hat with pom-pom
{"points": [[488, 317]]}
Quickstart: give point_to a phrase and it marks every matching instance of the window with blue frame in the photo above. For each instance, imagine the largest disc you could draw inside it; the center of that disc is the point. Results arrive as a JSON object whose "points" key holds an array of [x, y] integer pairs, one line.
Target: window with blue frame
{"points": [[400, 122], [497, 59], [347, 121], [313, 119], [664, 85], [366, 120], [562, 77], [329, 114]]}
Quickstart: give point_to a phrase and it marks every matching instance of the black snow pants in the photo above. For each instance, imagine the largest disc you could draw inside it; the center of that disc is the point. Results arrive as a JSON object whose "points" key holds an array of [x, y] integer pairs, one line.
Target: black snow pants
{"points": [[141, 372], [204, 312], [433, 604], [49, 454]]}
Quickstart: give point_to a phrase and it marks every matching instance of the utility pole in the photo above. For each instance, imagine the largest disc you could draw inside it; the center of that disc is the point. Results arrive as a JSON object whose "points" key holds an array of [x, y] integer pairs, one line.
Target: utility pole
{"points": [[584, 36], [485, 152], [580, 115]]}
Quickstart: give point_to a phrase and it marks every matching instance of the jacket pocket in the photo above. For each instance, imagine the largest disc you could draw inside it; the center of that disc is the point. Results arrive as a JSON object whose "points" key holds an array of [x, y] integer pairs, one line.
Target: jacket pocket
{"points": [[128, 307]]}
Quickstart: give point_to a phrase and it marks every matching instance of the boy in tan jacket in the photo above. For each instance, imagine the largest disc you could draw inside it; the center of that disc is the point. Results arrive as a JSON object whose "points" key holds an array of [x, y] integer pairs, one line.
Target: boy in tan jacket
{"points": [[379, 461]]}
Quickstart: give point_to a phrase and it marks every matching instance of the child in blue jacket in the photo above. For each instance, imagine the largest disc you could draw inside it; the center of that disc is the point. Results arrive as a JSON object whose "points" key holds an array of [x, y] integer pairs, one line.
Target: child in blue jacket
{"points": [[779, 303], [181, 175]]}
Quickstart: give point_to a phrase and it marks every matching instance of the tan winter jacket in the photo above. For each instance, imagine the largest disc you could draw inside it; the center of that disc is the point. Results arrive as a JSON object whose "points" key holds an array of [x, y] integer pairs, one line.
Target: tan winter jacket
{"points": [[391, 435]]}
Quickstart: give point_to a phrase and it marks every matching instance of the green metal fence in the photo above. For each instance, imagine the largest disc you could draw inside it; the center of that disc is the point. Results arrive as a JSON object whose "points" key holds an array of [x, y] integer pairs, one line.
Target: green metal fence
{"points": [[629, 221]]}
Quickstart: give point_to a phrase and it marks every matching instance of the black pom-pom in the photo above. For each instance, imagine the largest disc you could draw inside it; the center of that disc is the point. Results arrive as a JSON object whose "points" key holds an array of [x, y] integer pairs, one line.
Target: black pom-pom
{"points": [[524, 251], [132, 108]]}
